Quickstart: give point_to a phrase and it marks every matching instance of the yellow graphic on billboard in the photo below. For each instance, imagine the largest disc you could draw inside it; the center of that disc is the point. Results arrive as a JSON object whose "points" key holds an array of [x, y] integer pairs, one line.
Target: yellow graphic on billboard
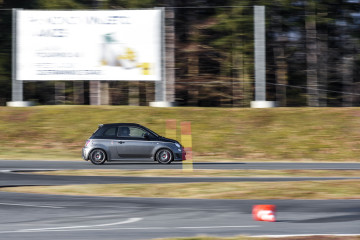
{"points": [[115, 54]]}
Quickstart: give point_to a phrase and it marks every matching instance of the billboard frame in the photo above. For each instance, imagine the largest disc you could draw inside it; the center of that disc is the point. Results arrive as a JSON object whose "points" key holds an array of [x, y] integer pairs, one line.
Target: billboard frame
{"points": [[53, 45], [160, 85]]}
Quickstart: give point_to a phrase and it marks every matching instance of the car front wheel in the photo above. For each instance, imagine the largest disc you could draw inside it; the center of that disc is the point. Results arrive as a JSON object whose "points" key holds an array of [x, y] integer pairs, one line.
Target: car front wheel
{"points": [[164, 156], [98, 156]]}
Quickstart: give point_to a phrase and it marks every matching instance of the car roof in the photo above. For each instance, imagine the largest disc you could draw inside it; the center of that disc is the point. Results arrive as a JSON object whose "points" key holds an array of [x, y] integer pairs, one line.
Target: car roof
{"points": [[120, 124], [126, 124]]}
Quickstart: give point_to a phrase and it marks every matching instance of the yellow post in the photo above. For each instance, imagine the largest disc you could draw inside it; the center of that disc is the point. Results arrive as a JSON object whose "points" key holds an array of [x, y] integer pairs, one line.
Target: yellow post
{"points": [[186, 141]]}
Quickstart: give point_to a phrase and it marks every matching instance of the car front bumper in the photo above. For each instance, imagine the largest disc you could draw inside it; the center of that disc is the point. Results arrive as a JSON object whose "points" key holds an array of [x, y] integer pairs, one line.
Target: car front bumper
{"points": [[180, 155]]}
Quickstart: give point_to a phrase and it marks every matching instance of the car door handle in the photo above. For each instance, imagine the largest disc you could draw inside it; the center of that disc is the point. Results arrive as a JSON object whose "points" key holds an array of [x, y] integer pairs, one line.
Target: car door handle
{"points": [[121, 142]]}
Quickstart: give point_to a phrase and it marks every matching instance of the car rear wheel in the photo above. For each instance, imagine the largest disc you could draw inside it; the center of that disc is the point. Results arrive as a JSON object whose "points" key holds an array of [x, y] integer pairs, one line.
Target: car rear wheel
{"points": [[164, 156], [98, 156]]}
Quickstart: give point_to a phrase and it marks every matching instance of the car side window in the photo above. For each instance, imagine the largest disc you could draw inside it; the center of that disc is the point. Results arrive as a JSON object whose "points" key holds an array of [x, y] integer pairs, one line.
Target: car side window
{"points": [[132, 132], [111, 132], [137, 132], [124, 132]]}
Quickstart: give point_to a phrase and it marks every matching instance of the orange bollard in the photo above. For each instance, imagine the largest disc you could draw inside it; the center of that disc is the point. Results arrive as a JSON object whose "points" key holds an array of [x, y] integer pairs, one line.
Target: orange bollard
{"points": [[264, 213]]}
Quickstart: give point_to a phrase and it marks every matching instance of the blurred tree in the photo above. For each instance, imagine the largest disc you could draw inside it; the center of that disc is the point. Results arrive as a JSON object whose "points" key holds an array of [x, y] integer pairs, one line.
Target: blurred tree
{"points": [[327, 34], [347, 64], [126, 4], [195, 61], [311, 53], [5, 56], [279, 12], [323, 25], [59, 4], [217, 44], [234, 41]]}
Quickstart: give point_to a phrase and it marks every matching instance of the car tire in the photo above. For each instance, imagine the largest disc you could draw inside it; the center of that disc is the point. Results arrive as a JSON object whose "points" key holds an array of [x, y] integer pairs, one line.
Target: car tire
{"points": [[97, 156], [164, 156]]}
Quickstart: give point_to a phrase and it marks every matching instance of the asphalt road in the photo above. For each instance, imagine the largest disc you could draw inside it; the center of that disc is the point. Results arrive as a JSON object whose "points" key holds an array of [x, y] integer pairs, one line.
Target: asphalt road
{"points": [[29, 165], [10, 179], [31, 216], [35, 216]]}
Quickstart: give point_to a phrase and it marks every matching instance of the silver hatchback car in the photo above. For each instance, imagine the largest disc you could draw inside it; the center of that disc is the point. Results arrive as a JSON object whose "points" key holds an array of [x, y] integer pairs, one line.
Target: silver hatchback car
{"points": [[130, 141]]}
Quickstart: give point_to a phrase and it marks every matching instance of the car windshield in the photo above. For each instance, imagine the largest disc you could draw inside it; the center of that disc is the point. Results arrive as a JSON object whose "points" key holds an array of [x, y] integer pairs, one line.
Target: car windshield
{"points": [[152, 132]]}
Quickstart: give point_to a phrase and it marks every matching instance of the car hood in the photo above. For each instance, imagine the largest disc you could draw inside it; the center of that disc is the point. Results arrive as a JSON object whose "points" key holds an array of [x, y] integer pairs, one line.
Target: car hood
{"points": [[163, 139]]}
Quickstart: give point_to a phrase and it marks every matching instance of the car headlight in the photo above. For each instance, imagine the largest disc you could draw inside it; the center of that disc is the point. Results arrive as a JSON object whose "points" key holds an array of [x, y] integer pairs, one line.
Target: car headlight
{"points": [[177, 145]]}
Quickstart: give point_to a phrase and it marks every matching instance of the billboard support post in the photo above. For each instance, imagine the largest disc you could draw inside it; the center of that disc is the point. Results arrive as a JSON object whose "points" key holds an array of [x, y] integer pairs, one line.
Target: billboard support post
{"points": [[260, 59], [17, 86], [165, 88], [94, 89]]}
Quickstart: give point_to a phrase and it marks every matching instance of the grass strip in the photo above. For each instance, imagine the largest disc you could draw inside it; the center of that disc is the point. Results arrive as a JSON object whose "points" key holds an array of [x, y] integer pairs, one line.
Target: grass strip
{"points": [[206, 173], [335, 189], [279, 134]]}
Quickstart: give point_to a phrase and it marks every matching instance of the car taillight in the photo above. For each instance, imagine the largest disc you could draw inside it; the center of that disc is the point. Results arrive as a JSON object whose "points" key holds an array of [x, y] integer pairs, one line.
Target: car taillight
{"points": [[87, 143]]}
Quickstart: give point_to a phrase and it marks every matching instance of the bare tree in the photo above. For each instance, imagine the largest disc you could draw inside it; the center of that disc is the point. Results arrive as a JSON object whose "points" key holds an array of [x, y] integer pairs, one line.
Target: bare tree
{"points": [[311, 54]]}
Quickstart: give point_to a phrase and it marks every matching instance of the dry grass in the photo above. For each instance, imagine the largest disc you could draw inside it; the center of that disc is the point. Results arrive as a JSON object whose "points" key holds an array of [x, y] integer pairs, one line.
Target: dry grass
{"points": [[207, 173], [231, 134]]}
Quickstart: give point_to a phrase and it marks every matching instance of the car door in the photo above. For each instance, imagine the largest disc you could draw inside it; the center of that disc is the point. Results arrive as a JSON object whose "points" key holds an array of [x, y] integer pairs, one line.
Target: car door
{"points": [[109, 139], [132, 143]]}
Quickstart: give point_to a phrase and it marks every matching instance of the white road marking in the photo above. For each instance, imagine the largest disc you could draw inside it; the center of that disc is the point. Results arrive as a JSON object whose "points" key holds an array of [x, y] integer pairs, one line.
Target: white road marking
{"points": [[217, 227], [130, 220], [305, 235], [27, 171], [169, 228], [29, 205], [91, 228]]}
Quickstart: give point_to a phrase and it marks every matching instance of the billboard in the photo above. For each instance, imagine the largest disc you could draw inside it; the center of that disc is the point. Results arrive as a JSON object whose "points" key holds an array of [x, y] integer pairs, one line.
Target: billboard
{"points": [[88, 45]]}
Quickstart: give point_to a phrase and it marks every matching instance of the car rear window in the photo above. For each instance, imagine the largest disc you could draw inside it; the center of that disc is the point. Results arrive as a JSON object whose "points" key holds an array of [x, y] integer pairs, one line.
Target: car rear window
{"points": [[110, 132], [100, 131], [97, 133]]}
